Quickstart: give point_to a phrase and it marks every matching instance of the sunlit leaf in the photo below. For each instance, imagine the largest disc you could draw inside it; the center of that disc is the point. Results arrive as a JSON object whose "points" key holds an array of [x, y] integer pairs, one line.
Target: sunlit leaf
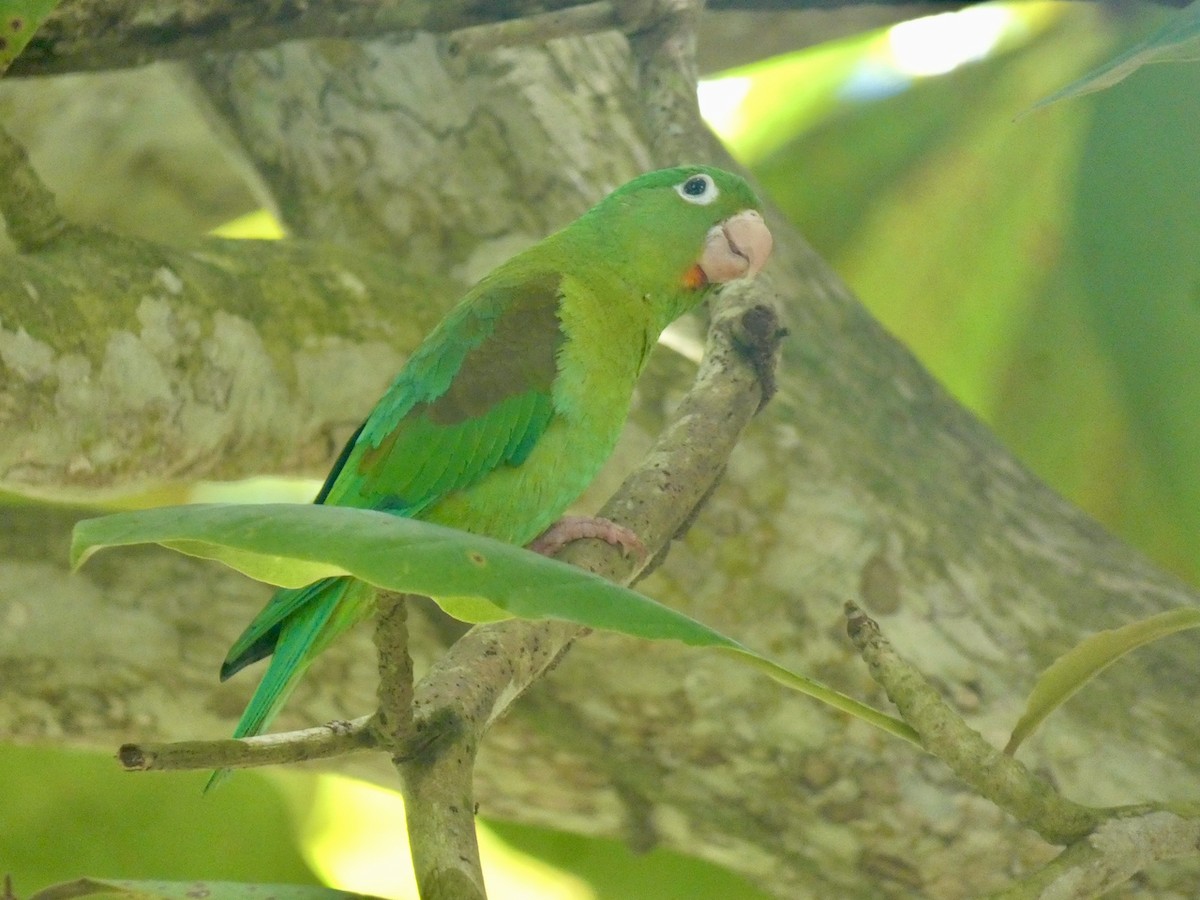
{"points": [[186, 890], [1089, 658], [470, 577], [259, 225], [1176, 41]]}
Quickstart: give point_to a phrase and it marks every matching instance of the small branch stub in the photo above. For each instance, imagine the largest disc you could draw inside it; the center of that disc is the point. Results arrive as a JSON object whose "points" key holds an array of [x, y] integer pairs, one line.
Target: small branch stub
{"points": [[132, 758], [322, 742], [758, 335]]}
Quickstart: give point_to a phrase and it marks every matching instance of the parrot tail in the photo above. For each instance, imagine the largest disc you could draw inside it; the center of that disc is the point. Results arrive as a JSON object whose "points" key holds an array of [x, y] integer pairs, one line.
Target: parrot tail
{"points": [[295, 626]]}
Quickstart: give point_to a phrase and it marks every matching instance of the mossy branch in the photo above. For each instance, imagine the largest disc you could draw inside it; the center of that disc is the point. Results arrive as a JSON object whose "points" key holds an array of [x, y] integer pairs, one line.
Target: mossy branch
{"points": [[31, 216], [1104, 847], [990, 772]]}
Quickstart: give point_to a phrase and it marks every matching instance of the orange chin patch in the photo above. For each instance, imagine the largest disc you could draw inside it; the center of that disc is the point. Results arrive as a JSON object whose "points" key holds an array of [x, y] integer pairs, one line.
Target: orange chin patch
{"points": [[694, 278]]}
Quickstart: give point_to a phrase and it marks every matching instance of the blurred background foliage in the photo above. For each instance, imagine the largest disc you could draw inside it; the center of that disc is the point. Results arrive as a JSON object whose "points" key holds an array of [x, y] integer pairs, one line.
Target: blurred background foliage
{"points": [[70, 814], [1046, 269]]}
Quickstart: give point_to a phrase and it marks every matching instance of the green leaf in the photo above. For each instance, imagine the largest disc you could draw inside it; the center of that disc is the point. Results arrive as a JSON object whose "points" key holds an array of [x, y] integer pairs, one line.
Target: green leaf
{"points": [[472, 578], [1176, 41], [186, 890], [1089, 658], [19, 20]]}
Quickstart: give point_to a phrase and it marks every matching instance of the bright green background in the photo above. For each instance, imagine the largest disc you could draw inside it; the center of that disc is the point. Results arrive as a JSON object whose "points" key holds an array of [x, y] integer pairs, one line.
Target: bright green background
{"points": [[1047, 270]]}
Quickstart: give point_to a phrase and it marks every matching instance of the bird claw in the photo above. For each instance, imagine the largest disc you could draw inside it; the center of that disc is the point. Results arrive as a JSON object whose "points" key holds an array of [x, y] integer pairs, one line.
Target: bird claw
{"points": [[574, 528]]}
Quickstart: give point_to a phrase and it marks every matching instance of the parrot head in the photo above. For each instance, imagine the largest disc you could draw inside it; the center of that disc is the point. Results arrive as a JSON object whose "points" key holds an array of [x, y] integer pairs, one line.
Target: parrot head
{"points": [[683, 229]]}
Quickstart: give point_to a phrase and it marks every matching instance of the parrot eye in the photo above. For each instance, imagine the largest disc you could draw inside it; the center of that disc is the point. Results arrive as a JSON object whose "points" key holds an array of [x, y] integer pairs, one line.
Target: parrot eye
{"points": [[698, 189]]}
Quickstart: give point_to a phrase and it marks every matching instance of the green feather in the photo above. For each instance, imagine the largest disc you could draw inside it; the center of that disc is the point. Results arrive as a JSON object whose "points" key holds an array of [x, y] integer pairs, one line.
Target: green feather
{"points": [[504, 414]]}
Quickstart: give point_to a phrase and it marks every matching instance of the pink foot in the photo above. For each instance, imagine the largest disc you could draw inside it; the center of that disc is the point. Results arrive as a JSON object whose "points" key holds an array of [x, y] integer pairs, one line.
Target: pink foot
{"points": [[574, 528]]}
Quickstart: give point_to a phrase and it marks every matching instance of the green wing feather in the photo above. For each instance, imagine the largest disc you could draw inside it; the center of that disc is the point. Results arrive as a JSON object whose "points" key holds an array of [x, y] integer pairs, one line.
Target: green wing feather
{"points": [[311, 621], [473, 396], [477, 394]]}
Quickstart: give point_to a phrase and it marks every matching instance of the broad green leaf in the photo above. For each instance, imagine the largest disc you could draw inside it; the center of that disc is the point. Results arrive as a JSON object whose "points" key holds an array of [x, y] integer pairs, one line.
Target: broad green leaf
{"points": [[20, 18], [470, 577], [1178, 40], [293, 544], [186, 890], [1089, 658]]}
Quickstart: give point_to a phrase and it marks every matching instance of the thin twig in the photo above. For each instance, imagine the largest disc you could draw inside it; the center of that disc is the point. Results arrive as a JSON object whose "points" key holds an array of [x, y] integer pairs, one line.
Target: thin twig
{"points": [[535, 29], [394, 719], [1116, 851], [322, 742], [991, 773]]}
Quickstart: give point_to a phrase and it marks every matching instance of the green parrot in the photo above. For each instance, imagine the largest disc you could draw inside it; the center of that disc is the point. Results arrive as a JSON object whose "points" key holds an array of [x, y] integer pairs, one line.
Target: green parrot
{"points": [[507, 410]]}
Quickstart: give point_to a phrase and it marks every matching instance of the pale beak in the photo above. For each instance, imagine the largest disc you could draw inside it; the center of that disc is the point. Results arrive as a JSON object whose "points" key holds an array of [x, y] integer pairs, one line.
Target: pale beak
{"points": [[735, 248]]}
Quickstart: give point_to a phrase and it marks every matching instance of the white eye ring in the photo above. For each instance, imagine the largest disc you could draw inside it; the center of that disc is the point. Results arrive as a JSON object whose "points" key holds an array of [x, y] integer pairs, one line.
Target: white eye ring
{"points": [[698, 188]]}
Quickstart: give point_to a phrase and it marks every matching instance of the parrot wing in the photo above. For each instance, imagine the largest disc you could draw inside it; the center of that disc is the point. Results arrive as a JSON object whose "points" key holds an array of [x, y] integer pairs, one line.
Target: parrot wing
{"points": [[478, 393], [475, 395]]}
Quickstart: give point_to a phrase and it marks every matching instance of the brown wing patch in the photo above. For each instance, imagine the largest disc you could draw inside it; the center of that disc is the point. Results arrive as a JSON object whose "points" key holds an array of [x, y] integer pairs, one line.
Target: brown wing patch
{"points": [[519, 355]]}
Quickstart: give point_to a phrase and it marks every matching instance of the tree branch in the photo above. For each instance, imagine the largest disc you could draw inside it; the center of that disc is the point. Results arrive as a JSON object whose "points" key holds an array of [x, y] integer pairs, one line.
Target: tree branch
{"points": [[30, 214], [91, 35], [992, 773], [128, 365], [439, 807], [320, 742], [439, 802], [394, 718], [70, 39], [1106, 847], [1119, 849], [571, 21]]}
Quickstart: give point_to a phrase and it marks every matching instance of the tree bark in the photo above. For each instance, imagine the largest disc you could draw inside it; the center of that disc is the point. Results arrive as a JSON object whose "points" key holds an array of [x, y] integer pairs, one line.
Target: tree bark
{"points": [[862, 480], [97, 35]]}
